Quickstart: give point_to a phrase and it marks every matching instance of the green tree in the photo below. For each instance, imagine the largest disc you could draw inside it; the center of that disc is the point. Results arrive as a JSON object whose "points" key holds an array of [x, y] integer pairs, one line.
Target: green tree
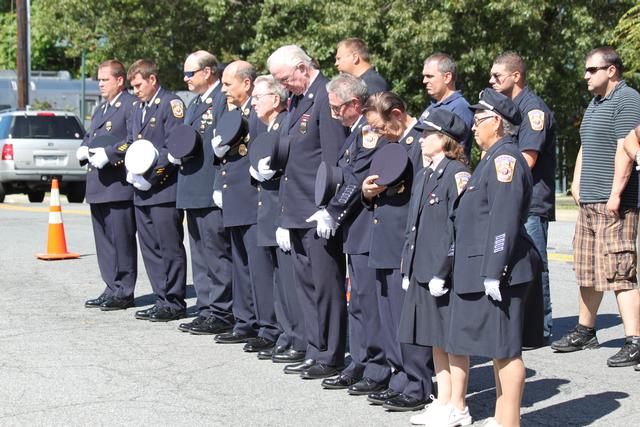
{"points": [[627, 38]]}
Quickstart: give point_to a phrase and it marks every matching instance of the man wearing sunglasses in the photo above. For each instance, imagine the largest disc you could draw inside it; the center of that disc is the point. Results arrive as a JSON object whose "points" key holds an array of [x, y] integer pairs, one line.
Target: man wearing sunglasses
{"points": [[607, 192], [536, 140], [209, 241]]}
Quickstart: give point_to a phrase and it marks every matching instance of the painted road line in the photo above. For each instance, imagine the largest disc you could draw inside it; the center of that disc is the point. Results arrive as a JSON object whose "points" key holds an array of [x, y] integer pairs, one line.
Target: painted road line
{"points": [[553, 256]]}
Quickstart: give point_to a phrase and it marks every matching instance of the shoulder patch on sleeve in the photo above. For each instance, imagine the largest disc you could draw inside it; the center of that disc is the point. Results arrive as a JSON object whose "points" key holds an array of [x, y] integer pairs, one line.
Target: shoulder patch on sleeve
{"points": [[369, 137], [461, 180], [177, 108], [536, 120], [505, 165]]}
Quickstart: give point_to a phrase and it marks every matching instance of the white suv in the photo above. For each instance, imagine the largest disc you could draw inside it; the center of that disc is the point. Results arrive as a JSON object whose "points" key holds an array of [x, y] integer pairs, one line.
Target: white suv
{"points": [[36, 147]]}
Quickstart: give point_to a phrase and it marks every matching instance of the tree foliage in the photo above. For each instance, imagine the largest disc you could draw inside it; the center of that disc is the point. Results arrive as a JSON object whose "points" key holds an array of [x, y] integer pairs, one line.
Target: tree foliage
{"points": [[552, 36]]}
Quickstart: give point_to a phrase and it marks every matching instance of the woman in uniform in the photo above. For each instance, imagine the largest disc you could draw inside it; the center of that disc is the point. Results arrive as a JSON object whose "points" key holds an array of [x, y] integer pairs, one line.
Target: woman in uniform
{"points": [[410, 384], [495, 261], [427, 260]]}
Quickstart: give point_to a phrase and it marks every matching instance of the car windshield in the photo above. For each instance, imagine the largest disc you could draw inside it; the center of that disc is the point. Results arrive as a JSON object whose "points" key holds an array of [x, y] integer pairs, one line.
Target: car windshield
{"points": [[46, 127]]}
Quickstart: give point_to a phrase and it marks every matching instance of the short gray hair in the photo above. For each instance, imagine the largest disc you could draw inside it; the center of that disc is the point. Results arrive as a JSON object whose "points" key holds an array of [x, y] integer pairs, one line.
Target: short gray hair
{"points": [[291, 55], [446, 64], [274, 87], [347, 86], [246, 71]]}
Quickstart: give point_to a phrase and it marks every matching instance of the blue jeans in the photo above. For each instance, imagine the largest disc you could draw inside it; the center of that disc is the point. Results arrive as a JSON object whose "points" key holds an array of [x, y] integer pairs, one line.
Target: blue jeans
{"points": [[537, 227]]}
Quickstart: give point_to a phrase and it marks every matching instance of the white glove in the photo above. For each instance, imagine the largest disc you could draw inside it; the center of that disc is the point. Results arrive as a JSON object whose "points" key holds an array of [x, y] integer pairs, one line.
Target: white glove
{"points": [[436, 287], [405, 283], [173, 159], [283, 239], [140, 183], [264, 166], [82, 153], [217, 198], [129, 177], [98, 157], [255, 174], [218, 150], [326, 224], [492, 288]]}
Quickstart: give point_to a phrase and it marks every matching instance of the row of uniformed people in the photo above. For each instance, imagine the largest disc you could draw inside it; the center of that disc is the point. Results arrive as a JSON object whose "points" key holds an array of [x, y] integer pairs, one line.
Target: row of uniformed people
{"points": [[374, 253]]}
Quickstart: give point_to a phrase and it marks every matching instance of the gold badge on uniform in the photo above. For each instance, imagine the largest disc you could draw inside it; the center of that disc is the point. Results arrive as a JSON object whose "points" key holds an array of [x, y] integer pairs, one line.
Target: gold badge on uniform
{"points": [[461, 180], [108, 126], [208, 100], [369, 137], [242, 150], [311, 96], [159, 171], [536, 119], [409, 140], [118, 104], [177, 108], [275, 126], [157, 101], [505, 165], [152, 122]]}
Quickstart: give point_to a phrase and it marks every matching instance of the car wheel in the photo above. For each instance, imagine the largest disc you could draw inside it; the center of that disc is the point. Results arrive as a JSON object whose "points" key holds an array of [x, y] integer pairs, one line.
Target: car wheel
{"points": [[2, 194], [75, 193], [35, 196]]}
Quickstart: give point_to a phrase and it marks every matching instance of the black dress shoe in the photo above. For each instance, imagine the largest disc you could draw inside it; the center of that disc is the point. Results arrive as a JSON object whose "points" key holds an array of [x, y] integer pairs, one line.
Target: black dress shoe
{"points": [[268, 353], [166, 314], [96, 302], [233, 337], [378, 398], [256, 344], [318, 371], [366, 386], [288, 356], [113, 303], [186, 327], [146, 313], [211, 326], [402, 403], [298, 368], [340, 382]]}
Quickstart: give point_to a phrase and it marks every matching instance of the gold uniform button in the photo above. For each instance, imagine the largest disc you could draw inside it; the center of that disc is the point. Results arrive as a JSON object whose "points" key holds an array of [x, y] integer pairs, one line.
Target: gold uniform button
{"points": [[413, 228], [375, 206], [225, 186], [224, 173], [412, 246], [94, 134], [260, 203], [224, 161], [286, 178], [375, 220], [258, 188]]}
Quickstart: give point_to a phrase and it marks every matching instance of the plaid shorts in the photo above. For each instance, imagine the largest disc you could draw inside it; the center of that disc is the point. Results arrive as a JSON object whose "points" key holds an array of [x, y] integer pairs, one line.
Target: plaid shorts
{"points": [[604, 248]]}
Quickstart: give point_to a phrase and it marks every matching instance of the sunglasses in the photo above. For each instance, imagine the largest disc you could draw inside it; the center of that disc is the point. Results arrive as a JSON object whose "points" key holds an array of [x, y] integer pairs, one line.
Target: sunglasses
{"points": [[189, 74], [593, 70]]}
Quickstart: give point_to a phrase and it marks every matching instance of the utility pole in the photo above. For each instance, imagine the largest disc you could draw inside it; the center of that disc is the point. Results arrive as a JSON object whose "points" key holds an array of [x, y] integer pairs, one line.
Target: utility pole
{"points": [[22, 53]]}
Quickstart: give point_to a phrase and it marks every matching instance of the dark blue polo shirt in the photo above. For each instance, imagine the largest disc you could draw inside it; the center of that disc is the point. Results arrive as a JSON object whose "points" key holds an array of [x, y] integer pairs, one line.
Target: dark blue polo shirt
{"points": [[458, 105], [537, 133]]}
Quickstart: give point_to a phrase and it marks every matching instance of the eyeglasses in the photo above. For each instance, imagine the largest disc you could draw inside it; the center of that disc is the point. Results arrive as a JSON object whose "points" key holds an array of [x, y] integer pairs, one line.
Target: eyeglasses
{"points": [[336, 108], [378, 129], [593, 70], [258, 97], [477, 121], [285, 80], [190, 74], [498, 77]]}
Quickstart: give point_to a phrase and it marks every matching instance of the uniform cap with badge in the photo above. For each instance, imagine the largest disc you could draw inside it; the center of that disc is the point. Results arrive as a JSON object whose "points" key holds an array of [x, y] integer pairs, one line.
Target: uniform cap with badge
{"points": [[183, 141], [232, 128], [328, 182], [390, 164], [445, 122], [140, 157], [492, 100]]}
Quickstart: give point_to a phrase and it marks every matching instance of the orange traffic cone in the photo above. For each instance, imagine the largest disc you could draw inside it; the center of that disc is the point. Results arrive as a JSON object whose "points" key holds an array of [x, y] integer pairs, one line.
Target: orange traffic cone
{"points": [[56, 243]]}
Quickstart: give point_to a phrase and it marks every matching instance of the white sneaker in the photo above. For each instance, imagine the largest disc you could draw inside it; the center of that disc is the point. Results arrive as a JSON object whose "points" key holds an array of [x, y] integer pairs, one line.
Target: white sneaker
{"points": [[459, 418], [491, 422], [435, 410]]}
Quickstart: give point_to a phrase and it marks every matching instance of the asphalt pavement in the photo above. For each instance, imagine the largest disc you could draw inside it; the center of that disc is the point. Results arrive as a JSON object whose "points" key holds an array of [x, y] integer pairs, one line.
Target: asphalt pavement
{"points": [[62, 364]]}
